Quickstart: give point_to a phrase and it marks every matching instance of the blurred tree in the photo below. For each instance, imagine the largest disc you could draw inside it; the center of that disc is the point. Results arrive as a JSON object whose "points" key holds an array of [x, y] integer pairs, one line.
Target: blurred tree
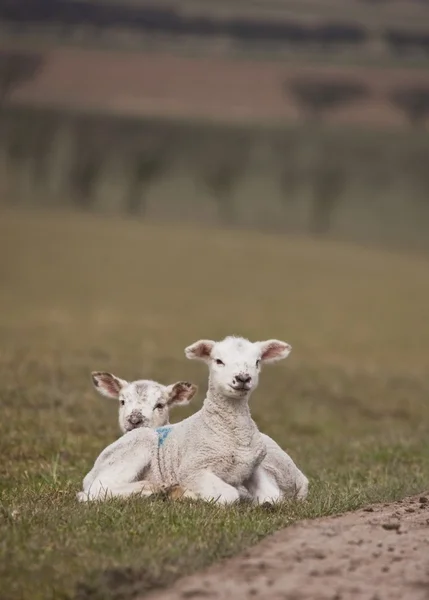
{"points": [[224, 164], [84, 176], [292, 175], [328, 183], [333, 34], [402, 42], [15, 68], [221, 180], [148, 167], [317, 96], [413, 101]]}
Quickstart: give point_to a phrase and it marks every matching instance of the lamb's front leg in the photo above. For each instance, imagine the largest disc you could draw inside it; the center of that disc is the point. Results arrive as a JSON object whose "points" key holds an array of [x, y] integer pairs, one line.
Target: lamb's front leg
{"points": [[208, 486], [100, 492], [263, 487], [118, 468]]}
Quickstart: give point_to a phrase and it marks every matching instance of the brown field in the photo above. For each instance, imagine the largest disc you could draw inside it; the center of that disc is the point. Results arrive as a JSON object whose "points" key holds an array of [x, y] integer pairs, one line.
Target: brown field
{"points": [[163, 84]]}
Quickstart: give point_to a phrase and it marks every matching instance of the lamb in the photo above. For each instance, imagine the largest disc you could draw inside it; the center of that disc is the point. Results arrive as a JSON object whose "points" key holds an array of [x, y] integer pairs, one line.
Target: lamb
{"points": [[278, 466], [144, 403], [210, 454]]}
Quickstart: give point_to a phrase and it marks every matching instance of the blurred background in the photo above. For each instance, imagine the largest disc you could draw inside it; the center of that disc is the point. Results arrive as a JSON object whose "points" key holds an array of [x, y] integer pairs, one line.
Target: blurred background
{"points": [[284, 115], [171, 171]]}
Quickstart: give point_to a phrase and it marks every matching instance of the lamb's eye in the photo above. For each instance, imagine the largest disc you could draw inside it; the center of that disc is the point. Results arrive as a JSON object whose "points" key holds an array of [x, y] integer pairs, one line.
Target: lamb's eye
{"points": [[159, 407], [122, 402], [258, 362], [219, 362]]}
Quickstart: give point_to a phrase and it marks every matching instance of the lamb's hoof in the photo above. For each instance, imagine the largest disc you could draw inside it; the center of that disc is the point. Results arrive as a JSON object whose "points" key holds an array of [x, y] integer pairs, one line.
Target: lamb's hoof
{"points": [[176, 492], [171, 492], [82, 497]]}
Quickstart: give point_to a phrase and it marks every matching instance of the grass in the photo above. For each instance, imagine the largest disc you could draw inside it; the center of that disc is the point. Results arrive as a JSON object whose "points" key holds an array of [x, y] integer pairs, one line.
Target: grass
{"points": [[86, 293]]}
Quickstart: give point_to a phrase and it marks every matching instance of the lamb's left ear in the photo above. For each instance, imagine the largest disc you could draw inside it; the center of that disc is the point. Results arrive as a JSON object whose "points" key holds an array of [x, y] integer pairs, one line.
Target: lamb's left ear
{"points": [[181, 393], [273, 350]]}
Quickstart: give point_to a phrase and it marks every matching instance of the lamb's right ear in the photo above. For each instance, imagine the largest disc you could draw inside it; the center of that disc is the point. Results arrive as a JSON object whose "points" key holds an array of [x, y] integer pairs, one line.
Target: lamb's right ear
{"points": [[201, 350], [181, 393], [107, 384]]}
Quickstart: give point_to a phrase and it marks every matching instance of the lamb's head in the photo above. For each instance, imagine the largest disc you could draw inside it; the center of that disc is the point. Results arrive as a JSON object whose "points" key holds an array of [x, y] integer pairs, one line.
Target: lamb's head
{"points": [[235, 363], [143, 403]]}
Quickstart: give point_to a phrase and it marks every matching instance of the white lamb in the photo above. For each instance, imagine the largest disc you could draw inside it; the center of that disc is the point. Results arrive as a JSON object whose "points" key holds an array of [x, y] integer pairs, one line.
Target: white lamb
{"points": [[277, 465], [145, 403], [210, 454]]}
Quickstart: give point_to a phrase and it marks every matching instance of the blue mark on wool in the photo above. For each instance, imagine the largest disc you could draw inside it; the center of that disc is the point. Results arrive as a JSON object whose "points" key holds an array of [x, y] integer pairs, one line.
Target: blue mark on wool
{"points": [[163, 433]]}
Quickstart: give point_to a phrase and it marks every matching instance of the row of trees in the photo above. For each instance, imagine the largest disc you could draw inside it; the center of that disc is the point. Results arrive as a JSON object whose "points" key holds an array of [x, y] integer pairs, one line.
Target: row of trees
{"points": [[77, 158], [318, 97], [164, 19], [170, 20]]}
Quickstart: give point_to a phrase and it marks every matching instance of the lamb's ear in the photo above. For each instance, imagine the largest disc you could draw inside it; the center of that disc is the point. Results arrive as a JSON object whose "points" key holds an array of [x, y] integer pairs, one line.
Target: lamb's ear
{"points": [[273, 350], [181, 393], [107, 384], [201, 350]]}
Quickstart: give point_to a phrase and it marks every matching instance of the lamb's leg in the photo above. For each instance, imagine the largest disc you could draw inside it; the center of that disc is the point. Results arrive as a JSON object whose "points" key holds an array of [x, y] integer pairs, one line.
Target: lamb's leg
{"points": [[263, 487], [101, 492], [119, 466], [208, 486], [302, 488]]}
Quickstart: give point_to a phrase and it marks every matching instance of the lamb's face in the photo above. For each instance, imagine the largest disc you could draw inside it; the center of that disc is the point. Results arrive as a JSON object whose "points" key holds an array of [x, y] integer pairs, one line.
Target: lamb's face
{"points": [[234, 367], [143, 403], [235, 362]]}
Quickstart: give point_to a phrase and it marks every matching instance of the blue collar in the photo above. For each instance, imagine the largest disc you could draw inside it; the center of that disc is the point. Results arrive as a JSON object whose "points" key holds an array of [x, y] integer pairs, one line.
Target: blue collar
{"points": [[163, 433]]}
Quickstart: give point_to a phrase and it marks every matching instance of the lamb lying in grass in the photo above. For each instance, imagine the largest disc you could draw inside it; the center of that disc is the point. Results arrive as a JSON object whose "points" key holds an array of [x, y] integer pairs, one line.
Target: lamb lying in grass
{"points": [[145, 403], [213, 452], [277, 466]]}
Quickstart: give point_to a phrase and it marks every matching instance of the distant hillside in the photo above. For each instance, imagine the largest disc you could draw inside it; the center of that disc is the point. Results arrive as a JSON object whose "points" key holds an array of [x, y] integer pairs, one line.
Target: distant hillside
{"points": [[209, 87]]}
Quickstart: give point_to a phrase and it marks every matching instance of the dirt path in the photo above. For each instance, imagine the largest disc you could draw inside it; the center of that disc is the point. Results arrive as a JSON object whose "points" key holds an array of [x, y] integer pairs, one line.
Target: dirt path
{"points": [[379, 553]]}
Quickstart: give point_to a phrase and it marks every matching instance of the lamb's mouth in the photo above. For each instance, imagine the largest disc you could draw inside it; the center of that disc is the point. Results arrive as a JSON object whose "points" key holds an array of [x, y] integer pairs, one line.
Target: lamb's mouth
{"points": [[240, 389]]}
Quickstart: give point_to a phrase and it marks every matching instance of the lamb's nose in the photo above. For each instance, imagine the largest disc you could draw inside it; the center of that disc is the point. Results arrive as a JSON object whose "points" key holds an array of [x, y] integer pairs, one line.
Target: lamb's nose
{"points": [[243, 378], [135, 419]]}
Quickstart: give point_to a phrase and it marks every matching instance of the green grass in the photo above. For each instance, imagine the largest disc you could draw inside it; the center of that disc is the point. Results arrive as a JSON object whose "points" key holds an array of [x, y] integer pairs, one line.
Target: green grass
{"points": [[79, 294]]}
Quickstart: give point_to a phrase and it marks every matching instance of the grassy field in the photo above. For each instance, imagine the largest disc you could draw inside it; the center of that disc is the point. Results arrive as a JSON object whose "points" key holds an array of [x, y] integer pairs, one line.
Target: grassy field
{"points": [[80, 294]]}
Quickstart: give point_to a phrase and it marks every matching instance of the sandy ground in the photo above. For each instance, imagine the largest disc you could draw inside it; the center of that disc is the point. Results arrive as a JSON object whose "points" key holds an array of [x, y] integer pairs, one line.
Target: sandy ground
{"points": [[378, 553]]}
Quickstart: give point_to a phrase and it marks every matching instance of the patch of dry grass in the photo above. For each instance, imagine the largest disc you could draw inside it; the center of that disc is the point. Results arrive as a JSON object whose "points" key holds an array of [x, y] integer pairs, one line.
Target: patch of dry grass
{"points": [[79, 294]]}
